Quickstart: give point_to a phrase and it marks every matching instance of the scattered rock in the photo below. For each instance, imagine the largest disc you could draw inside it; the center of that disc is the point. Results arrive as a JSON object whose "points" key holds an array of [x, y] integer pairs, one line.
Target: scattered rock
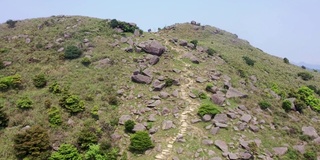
{"points": [[246, 118], [242, 126], [245, 155], [164, 95], [215, 158], [152, 118], [153, 103], [6, 63], [280, 150], [233, 93], [124, 118], [167, 124], [214, 130], [175, 93], [157, 85], [207, 142], [221, 145], [317, 140], [28, 40], [310, 131], [192, 95], [136, 33], [217, 99], [183, 43], [192, 58], [139, 127], [200, 80], [221, 118], [254, 128], [139, 78], [300, 148], [115, 136], [195, 120], [232, 156], [206, 117], [152, 47], [154, 60], [153, 130]]}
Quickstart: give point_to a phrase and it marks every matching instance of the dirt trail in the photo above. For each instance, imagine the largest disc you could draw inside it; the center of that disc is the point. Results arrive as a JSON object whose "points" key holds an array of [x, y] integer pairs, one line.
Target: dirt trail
{"points": [[191, 106]]}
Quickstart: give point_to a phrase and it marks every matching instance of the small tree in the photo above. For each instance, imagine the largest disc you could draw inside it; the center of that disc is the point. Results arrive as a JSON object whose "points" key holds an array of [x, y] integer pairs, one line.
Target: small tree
{"points": [[24, 103], [286, 60], [66, 152], [32, 142], [303, 67], [72, 52], [211, 51], [305, 75], [208, 109], [248, 60], [94, 153], [72, 103], [140, 142], [4, 119], [87, 137], [54, 116], [286, 105], [194, 42], [40, 81], [264, 105], [129, 125], [11, 23]]}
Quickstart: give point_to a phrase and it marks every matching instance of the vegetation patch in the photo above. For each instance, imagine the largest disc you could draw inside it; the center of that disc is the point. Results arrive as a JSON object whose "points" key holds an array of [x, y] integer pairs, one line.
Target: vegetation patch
{"points": [[40, 81], [140, 142], [72, 52], [72, 103], [66, 152], [208, 109], [54, 116], [264, 105], [248, 60], [306, 76], [8, 82], [24, 103]]}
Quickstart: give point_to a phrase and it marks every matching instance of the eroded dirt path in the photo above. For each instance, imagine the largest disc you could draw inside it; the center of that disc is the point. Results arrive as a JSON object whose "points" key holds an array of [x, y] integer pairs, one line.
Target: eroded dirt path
{"points": [[190, 106]]}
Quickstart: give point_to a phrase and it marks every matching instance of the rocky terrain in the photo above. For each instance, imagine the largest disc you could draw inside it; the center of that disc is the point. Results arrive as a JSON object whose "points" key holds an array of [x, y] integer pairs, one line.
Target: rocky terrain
{"points": [[160, 81]]}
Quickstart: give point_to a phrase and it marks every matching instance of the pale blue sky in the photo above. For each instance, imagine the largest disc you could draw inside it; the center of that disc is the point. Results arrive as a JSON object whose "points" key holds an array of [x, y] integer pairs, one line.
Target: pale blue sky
{"points": [[285, 28]]}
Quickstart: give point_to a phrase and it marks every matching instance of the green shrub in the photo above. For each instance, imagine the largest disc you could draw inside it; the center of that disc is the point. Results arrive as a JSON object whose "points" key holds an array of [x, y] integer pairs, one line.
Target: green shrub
{"points": [[94, 111], [291, 155], [140, 142], [305, 75], [286, 60], [113, 100], [72, 103], [299, 105], [32, 142], [40, 81], [66, 152], [4, 119], [8, 82], [310, 155], [94, 153], [55, 88], [211, 51], [168, 82], [202, 95], [303, 67], [87, 137], [24, 103], [1, 64], [286, 105], [129, 125], [208, 109], [194, 42], [126, 27], [209, 87], [86, 61], [248, 60], [264, 105], [54, 116], [242, 73], [72, 52], [11, 23], [307, 96]]}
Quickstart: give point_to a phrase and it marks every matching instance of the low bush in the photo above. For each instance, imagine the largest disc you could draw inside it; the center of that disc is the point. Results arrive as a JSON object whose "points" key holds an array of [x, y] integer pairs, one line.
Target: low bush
{"points": [[113, 100], [40, 81], [94, 111], [87, 137], [168, 82], [194, 42], [140, 142], [286, 105], [208, 109], [310, 155], [209, 87], [54, 116], [11, 23], [4, 119], [86, 61], [72, 103], [1, 64], [94, 153], [307, 96], [72, 52], [66, 152], [129, 125], [211, 51], [31, 143], [55, 88], [242, 73], [286, 60], [264, 105], [24, 103], [248, 60], [306, 76], [126, 27], [8, 82], [202, 95]]}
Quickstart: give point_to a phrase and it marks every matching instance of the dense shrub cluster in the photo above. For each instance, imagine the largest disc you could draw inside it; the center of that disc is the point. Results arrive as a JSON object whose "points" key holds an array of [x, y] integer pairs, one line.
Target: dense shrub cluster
{"points": [[129, 125], [72, 52], [72, 103], [33, 142], [24, 103], [286, 105], [194, 42], [40, 81], [54, 116], [208, 109], [55, 88], [248, 60], [11, 23], [286, 60], [4, 119], [305, 75], [126, 27], [86, 61], [66, 152], [140, 142], [264, 105], [87, 137], [211, 51], [10, 82], [305, 97]]}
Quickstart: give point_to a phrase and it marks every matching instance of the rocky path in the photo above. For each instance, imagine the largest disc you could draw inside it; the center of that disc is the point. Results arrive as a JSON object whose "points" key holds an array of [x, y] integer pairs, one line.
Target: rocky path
{"points": [[191, 106]]}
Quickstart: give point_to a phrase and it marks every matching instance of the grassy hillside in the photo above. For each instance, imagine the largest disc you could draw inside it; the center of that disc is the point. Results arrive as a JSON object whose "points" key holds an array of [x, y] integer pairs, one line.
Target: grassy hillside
{"points": [[83, 98]]}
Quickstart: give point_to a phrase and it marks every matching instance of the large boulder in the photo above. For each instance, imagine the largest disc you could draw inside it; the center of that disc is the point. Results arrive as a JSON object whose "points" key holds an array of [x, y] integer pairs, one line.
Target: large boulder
{"points": [[167, 124], [232, 93], [310, 131], [124, 118], [280, 150], [192, 58], [218, 99], [152, 47], [139, 78], [222, 145]]}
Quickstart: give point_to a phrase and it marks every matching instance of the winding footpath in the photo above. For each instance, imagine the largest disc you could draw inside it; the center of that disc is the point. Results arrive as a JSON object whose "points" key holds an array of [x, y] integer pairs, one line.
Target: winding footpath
{"points": [[184, 117]]}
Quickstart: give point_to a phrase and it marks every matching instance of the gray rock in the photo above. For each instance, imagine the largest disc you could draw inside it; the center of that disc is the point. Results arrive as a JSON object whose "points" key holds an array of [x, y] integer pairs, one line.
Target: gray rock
{"points": [[233, 93], [221, 118], [192, 58], [139, 127], [6, 63], [242, 126], [232, 115], [115, 136], [245, 155], [193, 22], [175, 158], [183, 43], [280, 150], [211, 153], [310, 131], [192, 95], [165, 111], [246, 118], [214, 130], [216, 158], [179, 150], [164, 95], [154, 60], [217, 99], [232, 156], [167, 124], [244, 144], [175, 93], [152, 118], [254, 128], [157, 85], [317, 140], [206, 117], [28, 40], [152, 47], [221, 125], [207, 142], [242, 107], [124, 118], [136, 33], [153, 130], [200, 80], [60, 49], [123, 40], [153, 104], [300, 148], [190, 45], [139, 78], [25, 128], [195, 120], [221, 145]]}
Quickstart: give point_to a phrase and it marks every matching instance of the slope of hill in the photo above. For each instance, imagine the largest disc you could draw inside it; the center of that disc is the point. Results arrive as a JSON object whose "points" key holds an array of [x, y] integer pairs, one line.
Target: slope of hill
{"points": [[197, 91]]}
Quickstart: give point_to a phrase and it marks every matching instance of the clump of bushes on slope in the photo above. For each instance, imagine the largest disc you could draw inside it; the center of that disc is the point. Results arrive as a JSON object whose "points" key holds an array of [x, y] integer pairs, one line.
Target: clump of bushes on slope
{"points": [[8, 82], [194, 42], [305, 97], [11, 23], [305, 75], [87, 137], [72, 103], [140, 142], [286, 105], [72, 52], [264, 105], [24, 103], [129, 125], [286, 60], [4, 119], [248, 60], [211, 51], [40, 81], [66, 152], [32, 143], [54, 116], [208, 109], [55, 88], [126, 27]]}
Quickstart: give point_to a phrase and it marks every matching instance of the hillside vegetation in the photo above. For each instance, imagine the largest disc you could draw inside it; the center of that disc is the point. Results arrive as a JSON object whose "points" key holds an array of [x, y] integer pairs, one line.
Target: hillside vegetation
{"points": [[87, 88]]}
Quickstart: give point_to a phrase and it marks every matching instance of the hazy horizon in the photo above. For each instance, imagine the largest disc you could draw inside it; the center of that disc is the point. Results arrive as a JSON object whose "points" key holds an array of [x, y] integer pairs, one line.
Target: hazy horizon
{"points": [[281, 28]]}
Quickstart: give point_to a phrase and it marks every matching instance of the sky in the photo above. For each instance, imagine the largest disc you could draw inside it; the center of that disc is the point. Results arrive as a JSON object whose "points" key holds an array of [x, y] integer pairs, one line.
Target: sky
{"points": [[284, 28]]}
